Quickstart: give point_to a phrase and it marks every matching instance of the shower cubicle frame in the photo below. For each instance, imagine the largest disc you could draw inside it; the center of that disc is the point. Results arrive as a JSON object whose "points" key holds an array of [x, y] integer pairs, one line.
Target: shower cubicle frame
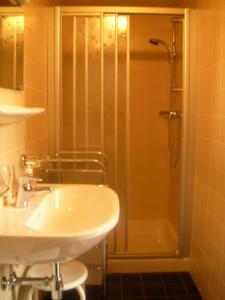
{"points": [[187, 167]]}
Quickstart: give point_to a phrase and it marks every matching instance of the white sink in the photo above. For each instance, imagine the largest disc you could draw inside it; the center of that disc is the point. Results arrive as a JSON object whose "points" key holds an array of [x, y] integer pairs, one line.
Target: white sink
{"points": [[57, 226], [15, 113]]}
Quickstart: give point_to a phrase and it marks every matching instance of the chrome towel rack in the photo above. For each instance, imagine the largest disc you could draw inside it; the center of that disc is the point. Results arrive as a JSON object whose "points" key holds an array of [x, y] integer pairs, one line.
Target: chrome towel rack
{"points": [[66, 165]]}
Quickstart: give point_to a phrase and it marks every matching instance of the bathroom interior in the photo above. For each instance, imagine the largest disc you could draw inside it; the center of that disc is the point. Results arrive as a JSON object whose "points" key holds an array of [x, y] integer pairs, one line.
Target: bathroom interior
{"points": [[140, 84]]}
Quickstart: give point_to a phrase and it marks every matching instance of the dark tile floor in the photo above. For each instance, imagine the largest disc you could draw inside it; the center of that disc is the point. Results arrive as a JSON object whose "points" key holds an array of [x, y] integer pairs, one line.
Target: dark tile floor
{"points": [[144, 286]]}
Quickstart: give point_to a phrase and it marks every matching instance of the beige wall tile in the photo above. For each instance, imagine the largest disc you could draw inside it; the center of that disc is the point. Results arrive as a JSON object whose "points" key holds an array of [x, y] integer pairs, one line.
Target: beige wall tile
{"points": [[149, 163], [207, 254], [28, 136]]}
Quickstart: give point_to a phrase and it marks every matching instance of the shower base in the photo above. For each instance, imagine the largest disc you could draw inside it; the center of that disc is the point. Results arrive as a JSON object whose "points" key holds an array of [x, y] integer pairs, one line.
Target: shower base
{"points": [[152, 247], [151, 237]]}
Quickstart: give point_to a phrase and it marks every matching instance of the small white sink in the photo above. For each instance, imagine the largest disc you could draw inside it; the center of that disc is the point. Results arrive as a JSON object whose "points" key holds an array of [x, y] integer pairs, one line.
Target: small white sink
{"points": [[57, 226], [15, 113]]}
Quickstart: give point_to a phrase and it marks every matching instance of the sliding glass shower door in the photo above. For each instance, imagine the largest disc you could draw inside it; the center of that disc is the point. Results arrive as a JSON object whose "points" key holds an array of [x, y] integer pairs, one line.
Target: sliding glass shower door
{"points": [[94, 97], [115, 97]]}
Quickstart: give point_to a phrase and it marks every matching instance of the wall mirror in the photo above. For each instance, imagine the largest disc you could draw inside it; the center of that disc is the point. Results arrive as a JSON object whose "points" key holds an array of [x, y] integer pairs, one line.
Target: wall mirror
{"points": [[11, 47]]}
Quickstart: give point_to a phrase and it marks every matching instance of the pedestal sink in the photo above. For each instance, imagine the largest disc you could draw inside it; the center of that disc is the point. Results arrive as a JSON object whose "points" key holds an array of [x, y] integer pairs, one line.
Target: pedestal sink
{"points": [[57, 226]]}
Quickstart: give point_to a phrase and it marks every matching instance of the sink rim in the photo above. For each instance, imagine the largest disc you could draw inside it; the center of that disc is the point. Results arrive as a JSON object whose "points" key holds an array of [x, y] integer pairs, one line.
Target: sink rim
{"points": [[36, 201]]}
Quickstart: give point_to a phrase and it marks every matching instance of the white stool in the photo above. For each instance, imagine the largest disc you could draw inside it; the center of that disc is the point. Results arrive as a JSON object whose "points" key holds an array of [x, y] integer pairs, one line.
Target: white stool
{"points": [[73, 274]]}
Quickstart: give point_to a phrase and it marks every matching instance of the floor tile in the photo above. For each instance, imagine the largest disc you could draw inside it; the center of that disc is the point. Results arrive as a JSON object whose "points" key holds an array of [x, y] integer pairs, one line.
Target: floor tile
{"points": [[113, 291], [133, 298], [109, 298], [131, 291], [156, 298], [113, 279], [151, 278], [154, 290], [185, 276], [175, 289], [178, 298], [93, 292], [143, 286], [67, 295], [191, 289], [130, 279], [170, 277]]}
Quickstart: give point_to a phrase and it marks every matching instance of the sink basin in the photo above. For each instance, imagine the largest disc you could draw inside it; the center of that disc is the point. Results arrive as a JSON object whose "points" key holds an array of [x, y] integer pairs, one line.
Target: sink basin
{"points": [[14, 113], [57, 226]]}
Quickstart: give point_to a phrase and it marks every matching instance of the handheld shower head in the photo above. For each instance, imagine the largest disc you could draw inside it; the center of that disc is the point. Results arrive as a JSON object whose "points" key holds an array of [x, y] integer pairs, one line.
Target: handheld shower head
{"points": [[158, 42]]}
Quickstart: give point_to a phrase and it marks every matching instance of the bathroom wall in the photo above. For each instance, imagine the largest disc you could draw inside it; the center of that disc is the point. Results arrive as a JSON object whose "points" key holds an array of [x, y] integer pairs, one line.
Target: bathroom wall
{"points": [[208, 87], [28, 136], [35, 74]]}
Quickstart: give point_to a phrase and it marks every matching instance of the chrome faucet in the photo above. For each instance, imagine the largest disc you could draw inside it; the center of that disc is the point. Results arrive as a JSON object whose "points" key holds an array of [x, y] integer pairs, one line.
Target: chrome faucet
{"points": [[27, 188]]}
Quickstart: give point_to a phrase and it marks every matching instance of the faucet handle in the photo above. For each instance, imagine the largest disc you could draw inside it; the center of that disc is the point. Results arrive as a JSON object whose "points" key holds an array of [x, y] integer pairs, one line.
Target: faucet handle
{"points": [[25, 178], [35, 179], [30, 183], [27, 182]]}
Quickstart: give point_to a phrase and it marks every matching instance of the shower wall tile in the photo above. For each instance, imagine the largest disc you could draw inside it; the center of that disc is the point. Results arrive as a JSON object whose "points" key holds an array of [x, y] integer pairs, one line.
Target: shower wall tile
{"points": [[149, 183], [35, 74], [208, 233], [146, 209], [28, 136]]}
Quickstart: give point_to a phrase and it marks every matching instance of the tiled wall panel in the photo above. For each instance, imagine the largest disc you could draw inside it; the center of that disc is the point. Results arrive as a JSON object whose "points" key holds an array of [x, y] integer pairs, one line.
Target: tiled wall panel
{"points": [[28, 136], [208, 233]]}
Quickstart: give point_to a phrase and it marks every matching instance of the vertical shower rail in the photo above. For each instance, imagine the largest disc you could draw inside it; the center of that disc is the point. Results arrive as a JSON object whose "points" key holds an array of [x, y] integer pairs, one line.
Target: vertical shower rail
{"points": [[175, 22]]}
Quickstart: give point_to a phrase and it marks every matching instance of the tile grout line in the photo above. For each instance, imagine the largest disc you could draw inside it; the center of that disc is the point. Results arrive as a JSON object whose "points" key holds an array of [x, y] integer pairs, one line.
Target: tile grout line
{"points": [[187, 291], [163, 285], [121, 288], [184, 285], [142, 286]]}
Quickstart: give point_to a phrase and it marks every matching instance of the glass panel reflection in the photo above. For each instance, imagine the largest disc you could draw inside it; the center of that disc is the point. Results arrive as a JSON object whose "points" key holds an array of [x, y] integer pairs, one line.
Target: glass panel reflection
{"points": [[11, 51]]}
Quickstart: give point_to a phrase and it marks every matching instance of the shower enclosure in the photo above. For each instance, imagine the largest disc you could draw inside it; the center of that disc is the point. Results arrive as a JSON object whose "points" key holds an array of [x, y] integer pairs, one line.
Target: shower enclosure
{"points": [[121, 95]]}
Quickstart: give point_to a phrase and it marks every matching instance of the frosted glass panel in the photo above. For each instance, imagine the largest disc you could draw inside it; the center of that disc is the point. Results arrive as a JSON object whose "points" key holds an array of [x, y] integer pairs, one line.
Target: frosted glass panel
{"points": [[66, 136], [122, 159], [94, 83], [94, 97], [11, 50], [81, 82]]}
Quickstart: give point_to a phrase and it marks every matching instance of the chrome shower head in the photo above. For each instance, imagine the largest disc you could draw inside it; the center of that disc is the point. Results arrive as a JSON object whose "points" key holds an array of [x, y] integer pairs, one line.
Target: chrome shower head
{"points": [[158, 42]]}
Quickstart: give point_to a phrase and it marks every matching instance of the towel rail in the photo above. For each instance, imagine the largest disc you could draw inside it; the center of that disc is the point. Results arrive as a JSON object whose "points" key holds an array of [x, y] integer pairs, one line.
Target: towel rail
{"points": [[74, 163]]}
